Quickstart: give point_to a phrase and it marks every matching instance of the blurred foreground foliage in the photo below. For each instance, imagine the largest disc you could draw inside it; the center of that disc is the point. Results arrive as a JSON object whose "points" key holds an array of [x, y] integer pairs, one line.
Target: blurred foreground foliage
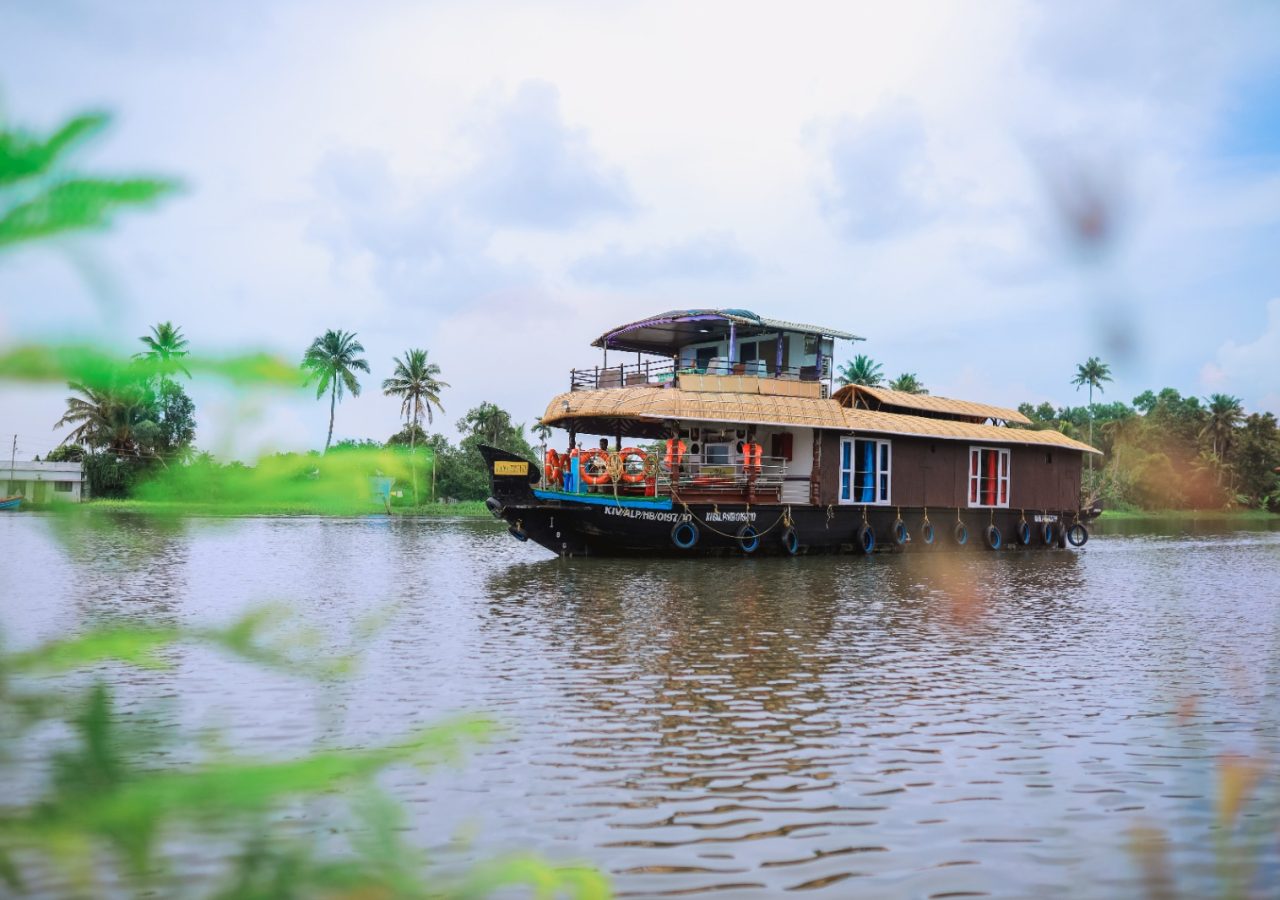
{"points": [[89, 817], [336, 483], [42, 196]]}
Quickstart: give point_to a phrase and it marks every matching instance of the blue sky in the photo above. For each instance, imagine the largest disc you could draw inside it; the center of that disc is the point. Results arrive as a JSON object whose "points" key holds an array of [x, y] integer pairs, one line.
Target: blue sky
{"points": [[990, 193]]}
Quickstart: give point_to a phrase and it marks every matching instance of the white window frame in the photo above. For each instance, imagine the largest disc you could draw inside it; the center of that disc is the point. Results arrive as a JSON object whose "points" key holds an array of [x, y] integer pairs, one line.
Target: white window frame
{"points": [[974, 481], [883, 472]]}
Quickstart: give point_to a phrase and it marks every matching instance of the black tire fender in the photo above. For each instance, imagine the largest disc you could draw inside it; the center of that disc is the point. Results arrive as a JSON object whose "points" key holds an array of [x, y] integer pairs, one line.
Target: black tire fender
{"points": [[690, 535], [867, 538]]}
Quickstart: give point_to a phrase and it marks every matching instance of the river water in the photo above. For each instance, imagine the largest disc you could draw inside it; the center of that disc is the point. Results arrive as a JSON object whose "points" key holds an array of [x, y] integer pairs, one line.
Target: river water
{"points": [[917, 726]]}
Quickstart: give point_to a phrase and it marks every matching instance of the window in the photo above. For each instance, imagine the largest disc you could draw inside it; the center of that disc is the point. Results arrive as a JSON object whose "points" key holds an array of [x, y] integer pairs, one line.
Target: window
{"points": [[864, 471], [988, 476], [62, 487], [715, 454], [703, 357]]}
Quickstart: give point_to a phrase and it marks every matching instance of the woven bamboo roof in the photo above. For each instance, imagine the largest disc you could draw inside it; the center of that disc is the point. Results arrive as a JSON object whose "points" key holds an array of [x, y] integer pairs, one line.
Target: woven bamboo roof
{"points": [[641, 411], [877, 397]]}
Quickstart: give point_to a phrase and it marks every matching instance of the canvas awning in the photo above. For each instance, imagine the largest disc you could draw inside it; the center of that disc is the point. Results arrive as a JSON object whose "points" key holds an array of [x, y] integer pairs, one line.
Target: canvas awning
{"points": [[665, 333]]}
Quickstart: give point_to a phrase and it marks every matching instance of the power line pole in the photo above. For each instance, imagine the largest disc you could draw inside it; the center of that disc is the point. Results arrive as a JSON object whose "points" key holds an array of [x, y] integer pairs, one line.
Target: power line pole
{"points": [[13, 456]]}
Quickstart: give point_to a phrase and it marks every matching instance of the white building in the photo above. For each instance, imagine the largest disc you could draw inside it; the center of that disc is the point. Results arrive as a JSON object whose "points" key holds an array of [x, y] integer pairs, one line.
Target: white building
{"points": [[43, 482]]}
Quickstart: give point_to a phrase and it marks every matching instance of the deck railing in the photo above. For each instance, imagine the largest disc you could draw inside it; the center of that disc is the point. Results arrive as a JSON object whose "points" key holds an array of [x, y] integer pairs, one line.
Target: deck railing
{"points": [[664, 373]]}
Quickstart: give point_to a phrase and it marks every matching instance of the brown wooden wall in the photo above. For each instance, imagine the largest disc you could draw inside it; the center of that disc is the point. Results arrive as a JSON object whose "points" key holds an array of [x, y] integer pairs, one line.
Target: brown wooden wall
{"points": [[935, 473]]}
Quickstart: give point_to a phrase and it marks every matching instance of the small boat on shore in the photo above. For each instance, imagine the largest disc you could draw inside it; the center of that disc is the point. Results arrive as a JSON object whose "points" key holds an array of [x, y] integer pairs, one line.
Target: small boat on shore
{"points": [[737, 442], [11, 502]]}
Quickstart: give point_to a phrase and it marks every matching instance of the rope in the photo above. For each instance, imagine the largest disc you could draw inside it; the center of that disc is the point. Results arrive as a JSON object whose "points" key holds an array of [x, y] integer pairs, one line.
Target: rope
{"points": [[785, 515]]}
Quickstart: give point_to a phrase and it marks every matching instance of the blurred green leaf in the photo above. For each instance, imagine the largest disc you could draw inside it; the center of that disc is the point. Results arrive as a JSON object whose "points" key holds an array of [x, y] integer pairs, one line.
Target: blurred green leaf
{"points": [[23, 155], [78, 204]]}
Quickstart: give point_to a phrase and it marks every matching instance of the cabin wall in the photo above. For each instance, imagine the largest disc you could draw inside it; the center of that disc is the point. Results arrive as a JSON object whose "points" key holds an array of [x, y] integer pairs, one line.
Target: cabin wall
{"points": [[1045, 478], [829, 477], [934, 474]]}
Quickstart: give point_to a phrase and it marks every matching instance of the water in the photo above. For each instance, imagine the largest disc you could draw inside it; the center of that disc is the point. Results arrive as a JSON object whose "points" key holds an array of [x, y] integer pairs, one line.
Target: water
{"points": [[917, 726]]}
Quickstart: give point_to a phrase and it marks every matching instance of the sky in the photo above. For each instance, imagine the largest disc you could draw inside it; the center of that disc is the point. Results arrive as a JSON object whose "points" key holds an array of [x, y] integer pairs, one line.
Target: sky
{"points": [[989, 193]]}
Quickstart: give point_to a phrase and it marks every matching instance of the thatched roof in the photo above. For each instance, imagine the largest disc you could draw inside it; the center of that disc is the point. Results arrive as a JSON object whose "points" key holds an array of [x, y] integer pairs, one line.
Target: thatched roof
{"points": [[878, 398], [642, 412]]}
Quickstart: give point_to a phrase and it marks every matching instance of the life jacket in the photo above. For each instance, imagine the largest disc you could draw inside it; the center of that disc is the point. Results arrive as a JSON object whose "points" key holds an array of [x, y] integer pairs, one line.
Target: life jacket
{"points": [[752, 457], [675, 453]]}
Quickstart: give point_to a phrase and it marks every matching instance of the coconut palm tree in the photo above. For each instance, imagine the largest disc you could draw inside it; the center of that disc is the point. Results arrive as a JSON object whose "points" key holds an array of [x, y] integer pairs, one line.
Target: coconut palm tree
{"points": [[1093, 372], [862, 370], [908, 383], [1225, 414], [105, 415], [331, 361], [416, 383], [165, 345]]}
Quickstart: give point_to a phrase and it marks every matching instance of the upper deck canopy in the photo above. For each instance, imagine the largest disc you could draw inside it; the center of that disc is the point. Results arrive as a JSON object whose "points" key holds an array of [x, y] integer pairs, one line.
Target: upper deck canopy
{"points": [[666, 333]]}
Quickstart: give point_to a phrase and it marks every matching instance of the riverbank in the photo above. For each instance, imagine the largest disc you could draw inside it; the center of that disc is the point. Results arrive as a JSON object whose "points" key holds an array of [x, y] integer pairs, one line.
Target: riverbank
{"points": [[1189, 515], [468, 509]]}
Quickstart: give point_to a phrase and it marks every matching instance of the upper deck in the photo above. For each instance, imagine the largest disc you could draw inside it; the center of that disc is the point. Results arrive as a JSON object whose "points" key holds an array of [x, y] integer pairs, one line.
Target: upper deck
{"points": [[716, 349]]}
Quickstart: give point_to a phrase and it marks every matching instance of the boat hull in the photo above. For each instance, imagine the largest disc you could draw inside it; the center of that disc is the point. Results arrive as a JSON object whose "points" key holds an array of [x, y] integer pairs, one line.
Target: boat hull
{"points": [[573, 529]]}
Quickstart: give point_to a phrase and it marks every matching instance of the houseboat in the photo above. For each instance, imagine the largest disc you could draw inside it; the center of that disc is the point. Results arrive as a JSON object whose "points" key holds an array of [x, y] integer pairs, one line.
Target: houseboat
{"points": [[718, 431]]}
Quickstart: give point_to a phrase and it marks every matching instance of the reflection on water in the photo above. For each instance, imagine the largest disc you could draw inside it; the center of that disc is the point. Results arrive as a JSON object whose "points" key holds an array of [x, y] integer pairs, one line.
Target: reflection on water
{"points": [[902, 726]]}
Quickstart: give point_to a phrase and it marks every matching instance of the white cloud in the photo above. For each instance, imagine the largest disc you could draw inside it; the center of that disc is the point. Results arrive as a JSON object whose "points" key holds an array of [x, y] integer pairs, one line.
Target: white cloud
{"points": [[534, 171], [879, 181], [709, 256], [1250, 368]]}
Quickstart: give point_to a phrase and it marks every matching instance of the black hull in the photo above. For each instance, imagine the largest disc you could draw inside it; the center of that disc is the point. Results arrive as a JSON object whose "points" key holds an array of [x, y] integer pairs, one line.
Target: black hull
{"points": [[570, 529]]}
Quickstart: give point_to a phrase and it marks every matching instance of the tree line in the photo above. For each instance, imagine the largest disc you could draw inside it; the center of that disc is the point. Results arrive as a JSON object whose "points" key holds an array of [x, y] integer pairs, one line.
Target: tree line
{"points": [[139, 419], [1162, 451]]}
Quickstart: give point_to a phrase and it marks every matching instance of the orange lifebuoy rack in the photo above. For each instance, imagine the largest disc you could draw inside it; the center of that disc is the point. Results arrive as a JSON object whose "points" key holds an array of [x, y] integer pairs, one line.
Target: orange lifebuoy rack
{"points": [[584, 462], [632, 477], [554, 467]]}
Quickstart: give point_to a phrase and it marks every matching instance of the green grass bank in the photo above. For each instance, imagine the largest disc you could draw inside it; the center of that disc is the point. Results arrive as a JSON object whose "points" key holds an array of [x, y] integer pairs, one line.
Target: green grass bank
{"points": [[1189, 515], [469, 509]]}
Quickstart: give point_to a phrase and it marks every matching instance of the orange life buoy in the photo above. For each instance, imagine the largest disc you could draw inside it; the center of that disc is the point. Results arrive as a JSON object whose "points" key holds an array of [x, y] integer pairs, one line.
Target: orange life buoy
{"points": [[675, 453], [633, 472], [594, 466], [553, 468]]}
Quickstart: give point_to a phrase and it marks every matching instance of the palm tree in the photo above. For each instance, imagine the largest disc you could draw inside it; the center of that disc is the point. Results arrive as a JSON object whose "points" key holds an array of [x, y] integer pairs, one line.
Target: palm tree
{"points": [[862, 370], [1092, 372], [1225, 413], [330, 360], [165, 345], [542, 430], [908, 383], [105, 415], [487, 420], [415, 383]]}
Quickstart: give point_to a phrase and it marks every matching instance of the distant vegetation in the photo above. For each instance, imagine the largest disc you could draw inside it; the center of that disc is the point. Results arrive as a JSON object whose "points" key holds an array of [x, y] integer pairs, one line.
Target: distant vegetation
{"points": [[1167, 451], [1163, 451]]}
